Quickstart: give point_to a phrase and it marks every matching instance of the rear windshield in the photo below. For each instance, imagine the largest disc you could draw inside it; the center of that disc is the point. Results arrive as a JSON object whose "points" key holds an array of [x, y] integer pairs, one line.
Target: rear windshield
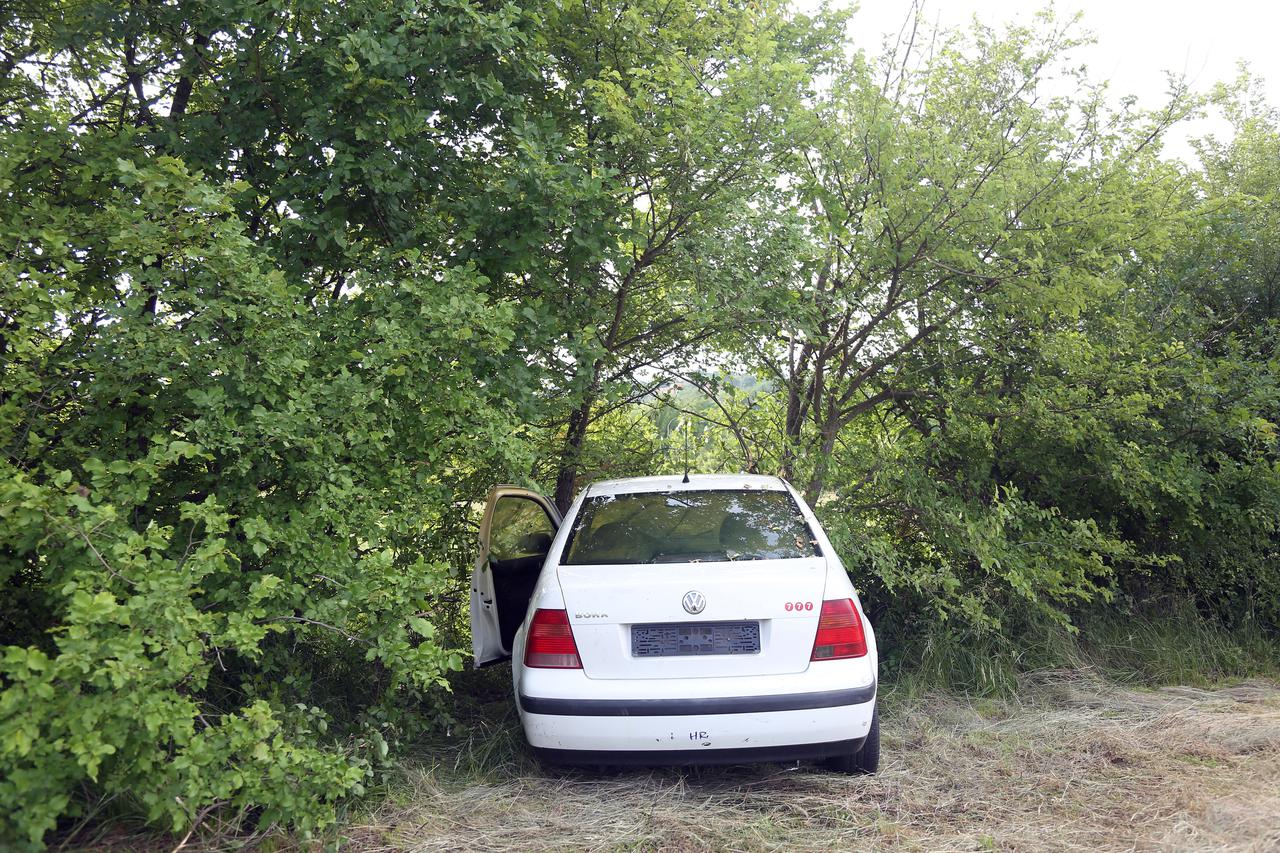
{"points": [[681, 527]]}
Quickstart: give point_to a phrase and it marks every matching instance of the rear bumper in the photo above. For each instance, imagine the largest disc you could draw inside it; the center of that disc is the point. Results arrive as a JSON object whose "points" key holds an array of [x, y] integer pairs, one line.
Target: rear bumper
{"points": [[680, 707], [782, 727], [689, 757]]}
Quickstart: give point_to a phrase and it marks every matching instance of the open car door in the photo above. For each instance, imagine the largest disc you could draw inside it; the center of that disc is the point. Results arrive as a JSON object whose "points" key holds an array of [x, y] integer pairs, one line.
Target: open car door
{"points": [[515, 536]]}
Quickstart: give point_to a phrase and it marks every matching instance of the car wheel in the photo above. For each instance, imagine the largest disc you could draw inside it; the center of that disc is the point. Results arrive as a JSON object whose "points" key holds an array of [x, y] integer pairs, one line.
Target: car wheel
{"points": [[866, 758]]}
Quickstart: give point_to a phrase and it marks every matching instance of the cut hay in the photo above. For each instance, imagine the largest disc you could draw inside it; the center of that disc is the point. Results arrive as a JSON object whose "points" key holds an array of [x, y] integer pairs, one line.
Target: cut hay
{"points": [[1075, 763]]}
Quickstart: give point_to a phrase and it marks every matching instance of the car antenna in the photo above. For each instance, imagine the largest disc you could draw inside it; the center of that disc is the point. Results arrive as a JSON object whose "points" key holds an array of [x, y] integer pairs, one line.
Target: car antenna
{"points": [[686, 452]]}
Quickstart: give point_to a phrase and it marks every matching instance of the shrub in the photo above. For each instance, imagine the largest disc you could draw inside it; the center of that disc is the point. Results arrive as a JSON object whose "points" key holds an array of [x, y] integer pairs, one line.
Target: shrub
{"points": [[216, 537]]}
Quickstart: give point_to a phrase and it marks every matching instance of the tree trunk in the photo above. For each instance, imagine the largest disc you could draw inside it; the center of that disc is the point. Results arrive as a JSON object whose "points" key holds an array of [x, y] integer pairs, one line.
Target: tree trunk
{"points": [[818, 481], [571, 454], [791, 431]]}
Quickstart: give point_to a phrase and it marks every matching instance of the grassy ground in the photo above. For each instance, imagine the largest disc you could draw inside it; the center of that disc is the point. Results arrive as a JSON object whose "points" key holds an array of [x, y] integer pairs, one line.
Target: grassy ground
{"points": [[1075, 762], [1083, 754]]}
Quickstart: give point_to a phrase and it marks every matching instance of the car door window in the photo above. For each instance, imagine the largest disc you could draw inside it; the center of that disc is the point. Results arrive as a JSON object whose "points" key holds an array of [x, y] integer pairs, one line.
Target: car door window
{"points": [[520, 529]]}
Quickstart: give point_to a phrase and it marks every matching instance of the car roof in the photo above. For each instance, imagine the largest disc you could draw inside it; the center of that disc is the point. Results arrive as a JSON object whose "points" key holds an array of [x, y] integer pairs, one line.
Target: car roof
{"points": [[697, 482]]}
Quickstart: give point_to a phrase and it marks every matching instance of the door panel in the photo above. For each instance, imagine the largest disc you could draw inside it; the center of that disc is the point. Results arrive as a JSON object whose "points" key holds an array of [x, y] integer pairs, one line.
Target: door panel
{"points": [[515, 534]]}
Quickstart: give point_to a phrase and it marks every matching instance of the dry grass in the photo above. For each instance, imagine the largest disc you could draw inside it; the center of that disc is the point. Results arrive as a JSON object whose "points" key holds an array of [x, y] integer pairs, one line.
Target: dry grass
{"points": [[1076, 763]]}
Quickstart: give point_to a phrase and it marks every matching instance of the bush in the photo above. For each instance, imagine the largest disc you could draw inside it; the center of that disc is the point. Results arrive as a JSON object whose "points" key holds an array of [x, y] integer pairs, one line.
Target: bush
{"points": [[216, 541]]}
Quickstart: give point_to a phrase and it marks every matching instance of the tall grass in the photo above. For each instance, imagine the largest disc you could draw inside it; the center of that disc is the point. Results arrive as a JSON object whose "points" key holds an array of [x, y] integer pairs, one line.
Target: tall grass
{"points": [[1178, 647]]}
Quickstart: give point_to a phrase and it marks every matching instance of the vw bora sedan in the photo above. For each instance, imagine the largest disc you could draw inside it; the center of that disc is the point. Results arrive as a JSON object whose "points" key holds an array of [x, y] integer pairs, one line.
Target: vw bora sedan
{"points": [[671, 622]]}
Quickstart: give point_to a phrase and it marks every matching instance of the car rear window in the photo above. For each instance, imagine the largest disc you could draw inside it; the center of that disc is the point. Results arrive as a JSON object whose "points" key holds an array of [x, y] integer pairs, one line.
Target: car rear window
{"points": [[688, 526]]}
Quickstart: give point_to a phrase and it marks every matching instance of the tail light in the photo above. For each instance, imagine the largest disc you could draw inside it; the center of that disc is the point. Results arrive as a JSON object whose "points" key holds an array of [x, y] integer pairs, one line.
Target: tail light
{"points": [[550, 644], [839, 632]]}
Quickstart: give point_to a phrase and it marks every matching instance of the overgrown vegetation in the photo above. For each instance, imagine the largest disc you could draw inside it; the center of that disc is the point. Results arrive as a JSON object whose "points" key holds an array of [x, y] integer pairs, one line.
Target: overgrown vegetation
{"points": [[287, 285]]}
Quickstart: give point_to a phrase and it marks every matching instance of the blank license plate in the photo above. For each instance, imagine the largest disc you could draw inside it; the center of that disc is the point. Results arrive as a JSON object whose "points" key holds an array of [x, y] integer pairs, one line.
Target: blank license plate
{"points": [[674, 639]]}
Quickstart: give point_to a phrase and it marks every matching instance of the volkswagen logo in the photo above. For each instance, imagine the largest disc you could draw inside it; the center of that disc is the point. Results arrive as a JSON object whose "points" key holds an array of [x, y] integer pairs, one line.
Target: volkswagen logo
{"points": [[694, 602]]}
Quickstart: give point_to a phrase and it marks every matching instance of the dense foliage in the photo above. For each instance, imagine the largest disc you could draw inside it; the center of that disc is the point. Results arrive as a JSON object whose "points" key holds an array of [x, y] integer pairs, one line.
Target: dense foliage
{"points": [[286, 285]]}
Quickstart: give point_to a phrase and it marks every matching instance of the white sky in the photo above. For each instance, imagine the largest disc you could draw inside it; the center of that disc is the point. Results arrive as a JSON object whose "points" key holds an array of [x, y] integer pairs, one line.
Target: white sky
{"points": [[1137, 41]]}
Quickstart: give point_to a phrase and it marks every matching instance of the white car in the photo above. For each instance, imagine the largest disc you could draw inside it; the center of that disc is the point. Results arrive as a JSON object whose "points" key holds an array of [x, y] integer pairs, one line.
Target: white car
{"points": [[704, 620]]}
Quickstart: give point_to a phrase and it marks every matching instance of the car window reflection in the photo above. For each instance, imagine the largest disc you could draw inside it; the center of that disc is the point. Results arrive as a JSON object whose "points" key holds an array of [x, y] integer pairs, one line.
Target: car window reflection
{"points": [[520, 528], [689, 526]]}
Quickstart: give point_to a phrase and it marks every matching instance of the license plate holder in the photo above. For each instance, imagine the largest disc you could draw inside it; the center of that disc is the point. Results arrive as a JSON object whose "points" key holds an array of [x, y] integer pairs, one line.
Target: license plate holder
{"points": [[683, 639]]}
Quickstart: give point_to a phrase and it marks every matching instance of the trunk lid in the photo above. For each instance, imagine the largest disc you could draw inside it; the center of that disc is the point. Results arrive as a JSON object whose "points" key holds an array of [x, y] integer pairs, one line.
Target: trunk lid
{"points": [[604, 602]]}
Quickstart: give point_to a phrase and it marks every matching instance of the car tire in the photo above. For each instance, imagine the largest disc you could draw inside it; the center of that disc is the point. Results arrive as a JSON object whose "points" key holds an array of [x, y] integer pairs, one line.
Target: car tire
{"points": [[866, 758]]}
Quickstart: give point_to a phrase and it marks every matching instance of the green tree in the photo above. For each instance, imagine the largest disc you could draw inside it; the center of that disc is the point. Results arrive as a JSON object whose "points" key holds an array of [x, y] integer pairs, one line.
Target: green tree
{"points": [[251, 375], [946, 196], [969, 320], [674, 116]]}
